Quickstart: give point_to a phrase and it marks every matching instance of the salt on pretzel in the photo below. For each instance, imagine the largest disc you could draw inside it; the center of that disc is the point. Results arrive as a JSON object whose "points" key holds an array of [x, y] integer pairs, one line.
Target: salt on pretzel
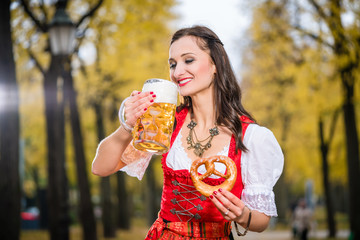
{"points": [[205, 189]]}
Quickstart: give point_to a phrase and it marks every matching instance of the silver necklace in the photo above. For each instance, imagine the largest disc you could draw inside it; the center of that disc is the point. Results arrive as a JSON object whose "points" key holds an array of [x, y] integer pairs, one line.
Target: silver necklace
{"points": [[198, 146]]}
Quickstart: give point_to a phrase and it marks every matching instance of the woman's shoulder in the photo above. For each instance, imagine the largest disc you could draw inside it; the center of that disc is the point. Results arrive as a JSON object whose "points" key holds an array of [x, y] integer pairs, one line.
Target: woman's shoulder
{"points": [[261, 141], [256, 132], [264, 159]]}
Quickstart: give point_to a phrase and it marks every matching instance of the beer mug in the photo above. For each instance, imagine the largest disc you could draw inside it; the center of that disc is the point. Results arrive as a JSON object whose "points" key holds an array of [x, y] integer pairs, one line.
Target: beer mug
{"points": [[152, 131]]}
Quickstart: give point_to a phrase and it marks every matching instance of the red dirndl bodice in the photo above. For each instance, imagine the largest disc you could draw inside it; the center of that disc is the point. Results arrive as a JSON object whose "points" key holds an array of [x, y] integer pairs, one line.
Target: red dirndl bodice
{"points": [[180, 200]]}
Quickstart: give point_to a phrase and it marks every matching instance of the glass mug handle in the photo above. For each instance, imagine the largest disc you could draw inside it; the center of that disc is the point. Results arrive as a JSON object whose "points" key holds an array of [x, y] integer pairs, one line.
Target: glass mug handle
{"points": [[122, 116]]}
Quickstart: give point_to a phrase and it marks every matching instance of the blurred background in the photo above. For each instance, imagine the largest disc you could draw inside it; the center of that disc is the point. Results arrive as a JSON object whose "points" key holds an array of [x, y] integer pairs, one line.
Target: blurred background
{"points": [[66, 66]]}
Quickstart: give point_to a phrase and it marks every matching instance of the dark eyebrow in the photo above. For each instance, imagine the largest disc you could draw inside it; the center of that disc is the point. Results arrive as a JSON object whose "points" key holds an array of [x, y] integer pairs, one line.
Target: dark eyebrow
{"points": [[184, 54]]}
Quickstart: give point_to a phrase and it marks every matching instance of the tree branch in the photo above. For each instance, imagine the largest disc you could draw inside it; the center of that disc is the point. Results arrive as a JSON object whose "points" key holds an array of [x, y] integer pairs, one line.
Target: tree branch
{"points": [[42, 6], [89, 13], [82, 65], [77, 47], [37, 63], [42, 26], [315, 37], [319, 9], [333, 125], [357, 51]]}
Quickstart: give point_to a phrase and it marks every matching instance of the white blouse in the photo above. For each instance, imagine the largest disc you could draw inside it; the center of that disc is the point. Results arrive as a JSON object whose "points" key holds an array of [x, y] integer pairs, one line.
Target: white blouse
{"points": [[261, 166]]}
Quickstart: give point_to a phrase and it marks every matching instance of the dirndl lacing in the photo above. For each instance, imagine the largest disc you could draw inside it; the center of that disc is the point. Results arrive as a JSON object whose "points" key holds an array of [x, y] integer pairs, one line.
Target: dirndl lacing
{"points": [[186, 189]]}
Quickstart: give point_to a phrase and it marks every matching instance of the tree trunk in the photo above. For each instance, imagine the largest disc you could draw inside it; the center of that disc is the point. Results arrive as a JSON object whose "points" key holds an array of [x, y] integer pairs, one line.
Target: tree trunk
{"points": [[342, 50], [87, 216], [352, 146], [324, 147], [108, 216], [152, 205], [280, 188], [9, 132], [124, 207], [57, 184]]}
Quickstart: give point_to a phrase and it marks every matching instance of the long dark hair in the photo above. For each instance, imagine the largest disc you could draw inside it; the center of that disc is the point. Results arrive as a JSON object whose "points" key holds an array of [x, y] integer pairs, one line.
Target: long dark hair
{"points": [[227, 91]]}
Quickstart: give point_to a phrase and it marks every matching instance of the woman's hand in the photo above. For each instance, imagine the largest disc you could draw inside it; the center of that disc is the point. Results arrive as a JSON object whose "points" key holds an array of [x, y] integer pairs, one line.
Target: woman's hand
{"points": [[233, 209], [137, 105], [230, 206]]}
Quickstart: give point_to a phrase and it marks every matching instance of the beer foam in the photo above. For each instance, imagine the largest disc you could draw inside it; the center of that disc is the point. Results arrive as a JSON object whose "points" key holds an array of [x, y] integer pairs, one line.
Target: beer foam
{"points": [[166, 91]]}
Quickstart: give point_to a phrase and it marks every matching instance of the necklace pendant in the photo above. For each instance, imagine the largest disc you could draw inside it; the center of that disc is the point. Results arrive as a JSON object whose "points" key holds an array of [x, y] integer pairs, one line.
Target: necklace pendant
{"points": [[198, 152], [192, 124], [214, 131]]}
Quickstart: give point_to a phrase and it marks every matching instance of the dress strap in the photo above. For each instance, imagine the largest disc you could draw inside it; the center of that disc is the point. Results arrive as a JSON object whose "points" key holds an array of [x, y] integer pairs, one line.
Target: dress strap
{"points": [[180, 119], [236, 156]]}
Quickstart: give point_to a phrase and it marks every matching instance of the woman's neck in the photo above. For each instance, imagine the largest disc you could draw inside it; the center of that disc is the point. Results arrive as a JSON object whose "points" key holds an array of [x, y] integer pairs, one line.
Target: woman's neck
{"points": [[204, 111]]}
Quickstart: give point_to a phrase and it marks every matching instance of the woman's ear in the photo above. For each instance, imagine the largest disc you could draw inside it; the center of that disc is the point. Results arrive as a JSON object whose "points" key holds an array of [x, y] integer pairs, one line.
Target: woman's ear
{"points": [[214, 68]]}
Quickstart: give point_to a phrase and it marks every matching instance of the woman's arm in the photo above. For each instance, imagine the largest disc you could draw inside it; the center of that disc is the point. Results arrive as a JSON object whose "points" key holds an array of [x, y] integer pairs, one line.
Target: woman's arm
{"points": [[107, 159], [108, 155]]}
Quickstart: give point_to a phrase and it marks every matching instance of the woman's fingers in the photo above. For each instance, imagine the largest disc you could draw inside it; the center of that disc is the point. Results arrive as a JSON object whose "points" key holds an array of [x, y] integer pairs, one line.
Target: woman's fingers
{"points": [[134, 93], [137, 96], [223, 210], [137, 105], [228, 204]]}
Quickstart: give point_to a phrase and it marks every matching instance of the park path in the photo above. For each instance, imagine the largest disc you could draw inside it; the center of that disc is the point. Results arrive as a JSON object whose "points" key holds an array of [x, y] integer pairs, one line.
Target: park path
{"points": [[286, 235]]}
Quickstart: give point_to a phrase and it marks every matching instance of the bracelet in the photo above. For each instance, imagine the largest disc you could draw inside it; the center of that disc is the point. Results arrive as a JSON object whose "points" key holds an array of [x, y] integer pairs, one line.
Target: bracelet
{"points": [[129, 130], [247, 226], [122, 118]]}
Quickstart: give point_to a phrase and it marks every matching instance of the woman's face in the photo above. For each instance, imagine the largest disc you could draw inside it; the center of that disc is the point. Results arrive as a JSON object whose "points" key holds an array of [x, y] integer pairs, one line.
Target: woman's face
{"points": [[190, 67]]}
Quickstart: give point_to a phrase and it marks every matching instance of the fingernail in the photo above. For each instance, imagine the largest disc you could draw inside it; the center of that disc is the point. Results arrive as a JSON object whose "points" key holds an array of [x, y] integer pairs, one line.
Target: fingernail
{"points": [[211, 196], [215, 192], [139, 92], [145, 109], [220, 190], [151, 92], [154, 95], [152, 100]]}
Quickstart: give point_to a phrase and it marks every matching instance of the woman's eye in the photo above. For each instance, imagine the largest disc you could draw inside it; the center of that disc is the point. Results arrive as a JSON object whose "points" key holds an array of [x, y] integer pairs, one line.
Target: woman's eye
{"points": [[187, 61], [172, 65]]}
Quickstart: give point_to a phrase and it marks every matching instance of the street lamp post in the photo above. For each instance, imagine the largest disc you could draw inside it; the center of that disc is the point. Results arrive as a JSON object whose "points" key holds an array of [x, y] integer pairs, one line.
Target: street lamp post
{"points": [[62, 36], [61, 31]]}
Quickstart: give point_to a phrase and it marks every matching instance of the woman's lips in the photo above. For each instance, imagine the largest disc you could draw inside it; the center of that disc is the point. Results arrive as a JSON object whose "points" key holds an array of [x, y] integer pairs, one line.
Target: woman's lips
{"points": [[183, 81]]}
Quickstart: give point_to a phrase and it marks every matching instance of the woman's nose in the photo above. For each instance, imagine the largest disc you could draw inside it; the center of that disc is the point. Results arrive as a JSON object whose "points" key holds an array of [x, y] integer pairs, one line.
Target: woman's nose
{"points": [[178, 71]]}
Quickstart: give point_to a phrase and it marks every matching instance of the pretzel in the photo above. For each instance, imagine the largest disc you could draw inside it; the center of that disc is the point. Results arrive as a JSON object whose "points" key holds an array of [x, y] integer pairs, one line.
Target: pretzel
{"points": [[205, 189]]}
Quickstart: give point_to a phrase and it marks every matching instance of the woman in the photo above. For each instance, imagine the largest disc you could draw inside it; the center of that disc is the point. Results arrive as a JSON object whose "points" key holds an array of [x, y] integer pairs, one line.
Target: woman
{"points": [[302, 219], [211, 113]]}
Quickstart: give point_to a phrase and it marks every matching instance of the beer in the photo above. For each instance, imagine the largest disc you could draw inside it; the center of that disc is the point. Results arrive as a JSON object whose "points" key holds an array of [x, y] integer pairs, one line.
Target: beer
{"points": [[152, 131]]}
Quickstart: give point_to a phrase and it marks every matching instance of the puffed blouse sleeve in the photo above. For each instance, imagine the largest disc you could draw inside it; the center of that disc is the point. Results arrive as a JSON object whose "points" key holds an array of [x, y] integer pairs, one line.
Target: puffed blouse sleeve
{"points": [[261, 167]]}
